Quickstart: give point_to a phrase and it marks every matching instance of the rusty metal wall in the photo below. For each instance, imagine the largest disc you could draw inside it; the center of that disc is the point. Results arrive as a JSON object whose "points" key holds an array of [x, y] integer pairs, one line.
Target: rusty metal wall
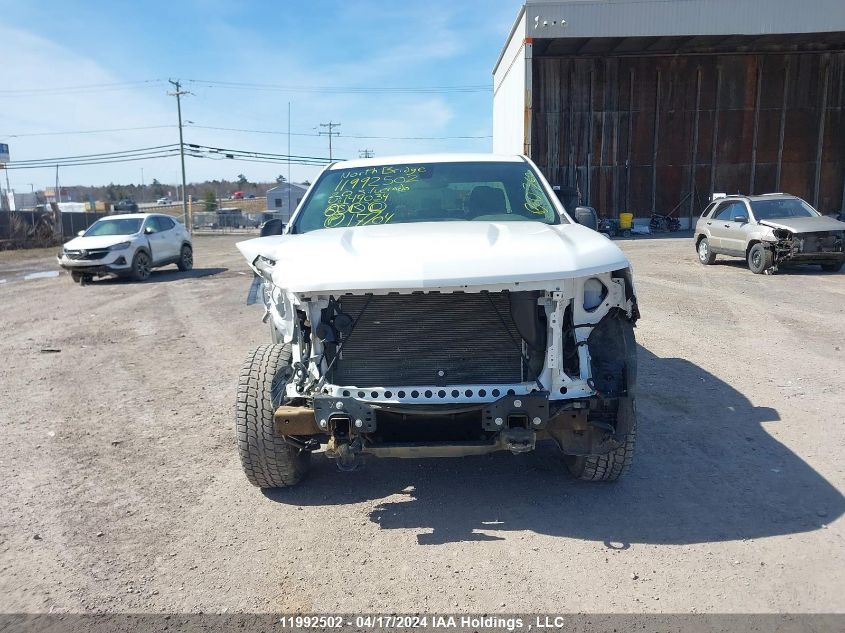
{"points": [[640, 133]]}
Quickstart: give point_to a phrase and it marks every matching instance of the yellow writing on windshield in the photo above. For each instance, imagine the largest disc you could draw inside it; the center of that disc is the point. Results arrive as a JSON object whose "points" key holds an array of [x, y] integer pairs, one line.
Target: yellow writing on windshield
{"points": [[536, 201], [361, 196]]}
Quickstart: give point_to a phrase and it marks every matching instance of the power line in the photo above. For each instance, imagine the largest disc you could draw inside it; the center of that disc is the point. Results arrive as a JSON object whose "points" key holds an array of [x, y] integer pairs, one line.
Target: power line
{"points": [[236, 85], [92, 162], [53, 160], [101, 131], [345, 135], [86, 88]]}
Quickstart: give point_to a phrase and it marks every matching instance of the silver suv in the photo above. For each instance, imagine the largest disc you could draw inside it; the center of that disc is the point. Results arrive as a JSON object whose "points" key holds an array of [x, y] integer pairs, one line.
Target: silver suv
{"points": [[767, 231], [128, 245]]}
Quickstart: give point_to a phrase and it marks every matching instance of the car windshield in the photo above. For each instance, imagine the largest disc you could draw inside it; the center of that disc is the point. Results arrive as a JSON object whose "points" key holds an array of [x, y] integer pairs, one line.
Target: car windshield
{"points": [[124, 226], [426, 192], [782, 208]]}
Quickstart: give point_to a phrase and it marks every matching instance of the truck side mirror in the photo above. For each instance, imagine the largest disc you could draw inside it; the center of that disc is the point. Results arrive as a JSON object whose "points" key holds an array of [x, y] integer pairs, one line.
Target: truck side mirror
{"points": [[587, 216], [742, 219], [80, 233], [272, 227]]}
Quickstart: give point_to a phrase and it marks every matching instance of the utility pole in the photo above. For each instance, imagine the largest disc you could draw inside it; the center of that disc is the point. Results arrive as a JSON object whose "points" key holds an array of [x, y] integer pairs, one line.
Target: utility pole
{"points": [[331, 126], [365, 153], [289, 186], [178, 94]]}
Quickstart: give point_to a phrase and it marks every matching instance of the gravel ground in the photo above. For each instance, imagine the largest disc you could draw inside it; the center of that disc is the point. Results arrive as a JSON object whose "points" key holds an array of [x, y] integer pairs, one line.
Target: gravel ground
{"points": [[122, 490]]}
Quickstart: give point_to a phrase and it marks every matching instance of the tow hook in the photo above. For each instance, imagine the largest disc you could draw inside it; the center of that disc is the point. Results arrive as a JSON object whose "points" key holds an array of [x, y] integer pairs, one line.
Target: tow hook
{"points": [[518, 439], [347, 455]]}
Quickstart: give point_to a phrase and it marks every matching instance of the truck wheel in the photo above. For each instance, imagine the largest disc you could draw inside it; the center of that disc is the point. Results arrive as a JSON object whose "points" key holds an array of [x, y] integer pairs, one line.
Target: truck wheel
{"points": [[76, 276], [267, 460], [759, 259], [186, 258], [616, 463], [140, 266], [835, 267], [705, 255]]}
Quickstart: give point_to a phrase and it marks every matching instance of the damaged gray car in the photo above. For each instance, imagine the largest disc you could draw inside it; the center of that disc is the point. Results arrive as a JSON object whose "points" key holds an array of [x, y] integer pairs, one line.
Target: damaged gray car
{"points": [[768, 231]]}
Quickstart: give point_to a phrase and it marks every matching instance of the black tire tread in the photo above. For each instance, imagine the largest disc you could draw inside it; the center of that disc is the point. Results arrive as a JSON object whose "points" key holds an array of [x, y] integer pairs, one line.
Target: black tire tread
{"points": [[608, 467], [134, 272], [711, 256], [768, 258], [180, 264], [267, 460]]}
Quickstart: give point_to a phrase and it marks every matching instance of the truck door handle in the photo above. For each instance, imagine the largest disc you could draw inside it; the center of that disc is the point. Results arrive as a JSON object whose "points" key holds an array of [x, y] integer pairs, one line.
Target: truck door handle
{"points": [[709, 223], [727, 226]]}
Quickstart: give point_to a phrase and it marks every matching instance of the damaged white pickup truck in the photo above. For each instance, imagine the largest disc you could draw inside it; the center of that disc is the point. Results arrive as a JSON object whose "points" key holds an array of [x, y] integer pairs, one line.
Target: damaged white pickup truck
{"points": [[436, 306]]}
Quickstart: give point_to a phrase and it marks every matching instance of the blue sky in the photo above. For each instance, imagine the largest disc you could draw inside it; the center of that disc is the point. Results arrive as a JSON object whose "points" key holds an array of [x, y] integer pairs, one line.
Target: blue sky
{"points": [[368, 44]]}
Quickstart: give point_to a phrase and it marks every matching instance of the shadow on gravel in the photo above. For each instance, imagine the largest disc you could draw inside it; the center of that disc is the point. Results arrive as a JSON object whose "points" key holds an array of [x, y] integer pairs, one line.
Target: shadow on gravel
{"points": [[168, 274], [784, 269], [705, 470]]}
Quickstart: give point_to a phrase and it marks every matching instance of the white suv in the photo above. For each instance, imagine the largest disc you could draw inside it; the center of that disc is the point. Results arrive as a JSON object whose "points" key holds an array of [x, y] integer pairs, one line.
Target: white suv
{"points": [[129, 245]]}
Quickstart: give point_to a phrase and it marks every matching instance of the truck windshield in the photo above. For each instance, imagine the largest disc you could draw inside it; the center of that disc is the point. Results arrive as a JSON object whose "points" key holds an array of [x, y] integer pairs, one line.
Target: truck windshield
{"points": [[426, 192], [125, 226], [782, 208]]}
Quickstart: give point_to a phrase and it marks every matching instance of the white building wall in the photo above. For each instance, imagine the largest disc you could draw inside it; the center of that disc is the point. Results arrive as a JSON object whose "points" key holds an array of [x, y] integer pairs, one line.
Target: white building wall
{"points": [[511, 83]]}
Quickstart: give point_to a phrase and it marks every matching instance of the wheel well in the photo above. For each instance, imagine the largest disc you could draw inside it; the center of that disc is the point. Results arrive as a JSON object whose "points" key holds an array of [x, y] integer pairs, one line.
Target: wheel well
{"points": [[142, 249], [698, 240], [750, 246], [188, 244]]}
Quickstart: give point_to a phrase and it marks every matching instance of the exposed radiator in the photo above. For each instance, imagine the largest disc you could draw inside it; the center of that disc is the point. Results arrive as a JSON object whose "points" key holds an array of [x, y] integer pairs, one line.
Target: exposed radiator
{"points": [[409, 339]]}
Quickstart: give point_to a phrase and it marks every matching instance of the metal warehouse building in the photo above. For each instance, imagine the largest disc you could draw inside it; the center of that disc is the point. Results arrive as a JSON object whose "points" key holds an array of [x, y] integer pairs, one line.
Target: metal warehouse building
{"points": [[652, 105]]}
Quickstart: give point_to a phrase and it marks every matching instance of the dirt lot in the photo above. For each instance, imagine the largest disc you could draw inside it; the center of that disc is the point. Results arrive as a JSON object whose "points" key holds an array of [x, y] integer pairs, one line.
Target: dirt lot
{"points": [[122, 490]]}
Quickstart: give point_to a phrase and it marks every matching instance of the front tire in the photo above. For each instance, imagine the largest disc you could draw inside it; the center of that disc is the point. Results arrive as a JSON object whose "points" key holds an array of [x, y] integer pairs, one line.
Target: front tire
{"points": [[186, 258], [759, 259], [705, 255], [267, 460], [613, 465], [141, 266]]}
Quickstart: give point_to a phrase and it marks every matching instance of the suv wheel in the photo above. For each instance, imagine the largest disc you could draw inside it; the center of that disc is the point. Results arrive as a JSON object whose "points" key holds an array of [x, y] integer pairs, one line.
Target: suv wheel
{"points": [[759, 259], [705, 255], [141, 266], [76, 276], [186, 258], [267, 460]]}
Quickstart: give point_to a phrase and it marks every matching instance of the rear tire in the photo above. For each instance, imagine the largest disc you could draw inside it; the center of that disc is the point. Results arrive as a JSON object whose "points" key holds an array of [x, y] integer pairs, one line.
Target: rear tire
{"points": [[267, 460], [759, 259], [832, 268], [186, 258], [141, 266], [705, 255]]}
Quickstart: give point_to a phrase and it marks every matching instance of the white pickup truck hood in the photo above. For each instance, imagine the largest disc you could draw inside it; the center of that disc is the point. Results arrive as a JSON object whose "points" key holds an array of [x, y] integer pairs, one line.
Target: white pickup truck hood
{"points": [[433, 255]]}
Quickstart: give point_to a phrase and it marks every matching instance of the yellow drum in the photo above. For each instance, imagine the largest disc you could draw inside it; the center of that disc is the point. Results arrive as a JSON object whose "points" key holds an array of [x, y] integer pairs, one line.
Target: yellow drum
{"points": [[626, 220]]}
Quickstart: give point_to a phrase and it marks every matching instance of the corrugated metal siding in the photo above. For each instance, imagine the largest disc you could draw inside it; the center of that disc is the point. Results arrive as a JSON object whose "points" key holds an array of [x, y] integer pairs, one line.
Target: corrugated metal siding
{"points": [[637, 133]]}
